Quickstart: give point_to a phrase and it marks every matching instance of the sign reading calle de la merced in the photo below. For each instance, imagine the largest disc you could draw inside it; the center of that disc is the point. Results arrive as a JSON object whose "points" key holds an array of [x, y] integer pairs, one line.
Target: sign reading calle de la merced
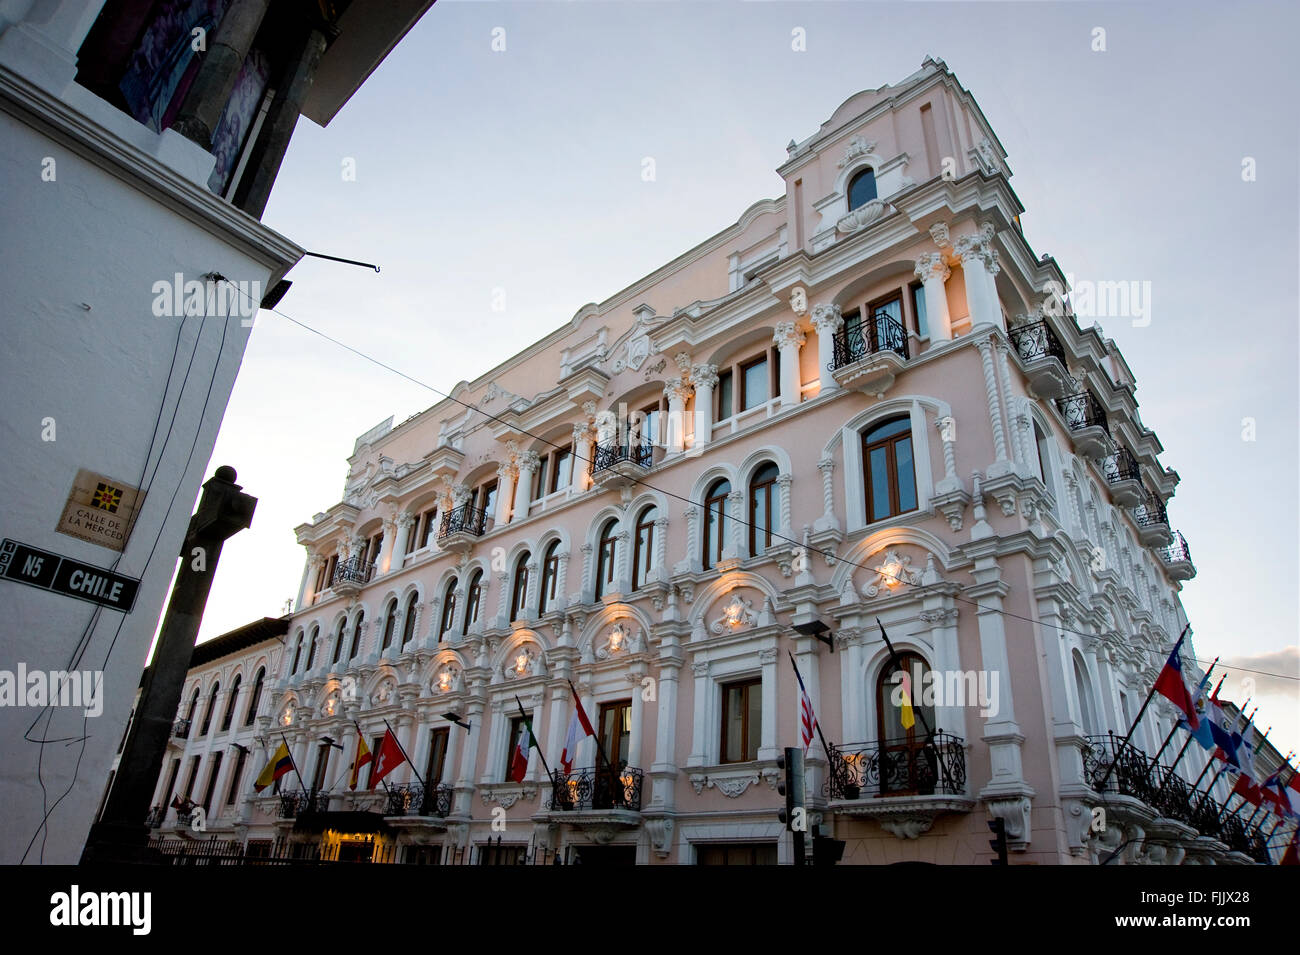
{"points": [[100, 510]]}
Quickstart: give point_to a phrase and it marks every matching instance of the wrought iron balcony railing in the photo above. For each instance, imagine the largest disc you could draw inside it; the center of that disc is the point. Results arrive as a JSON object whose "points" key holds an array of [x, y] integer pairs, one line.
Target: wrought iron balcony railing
{"points": [[1083, 411], [898, 767], [1037, 341], [880, 332], [353, 570], [1121, 466], [1151, 512], [296, 802], [417, 800], [465, 519], [182, 729], [606, 456], [1124, 768], [1177, 550], [596, 788]]}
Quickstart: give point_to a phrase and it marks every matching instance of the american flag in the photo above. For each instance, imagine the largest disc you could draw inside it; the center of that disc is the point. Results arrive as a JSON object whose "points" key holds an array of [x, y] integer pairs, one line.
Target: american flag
{"points": [[807, 718]]}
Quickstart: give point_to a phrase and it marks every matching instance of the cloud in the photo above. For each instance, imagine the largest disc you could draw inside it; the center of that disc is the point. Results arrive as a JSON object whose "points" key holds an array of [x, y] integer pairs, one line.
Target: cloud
{"points": [[1275, 673]]}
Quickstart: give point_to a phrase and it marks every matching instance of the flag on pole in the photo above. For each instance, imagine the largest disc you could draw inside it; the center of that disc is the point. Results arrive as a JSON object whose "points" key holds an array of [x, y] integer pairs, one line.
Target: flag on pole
{"points": [[519, 761], [1171, 685], [807, 718], [387, 758], [363, 756], [1207, 709], [280, 764], [578, 724]]}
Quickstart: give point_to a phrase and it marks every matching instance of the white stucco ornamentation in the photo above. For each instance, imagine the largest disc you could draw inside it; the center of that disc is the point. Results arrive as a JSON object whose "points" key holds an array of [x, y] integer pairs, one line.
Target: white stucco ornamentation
{"points": [[892, 573], [737, 614]]}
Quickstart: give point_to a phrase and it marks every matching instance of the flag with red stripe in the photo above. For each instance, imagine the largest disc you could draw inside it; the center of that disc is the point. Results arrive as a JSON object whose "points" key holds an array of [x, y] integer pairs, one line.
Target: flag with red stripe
{"points": [[807, 718]]}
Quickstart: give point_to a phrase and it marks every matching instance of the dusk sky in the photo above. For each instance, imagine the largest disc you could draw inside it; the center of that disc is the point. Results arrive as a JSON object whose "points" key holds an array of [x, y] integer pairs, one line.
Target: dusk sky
{"points": [[520, 171]]}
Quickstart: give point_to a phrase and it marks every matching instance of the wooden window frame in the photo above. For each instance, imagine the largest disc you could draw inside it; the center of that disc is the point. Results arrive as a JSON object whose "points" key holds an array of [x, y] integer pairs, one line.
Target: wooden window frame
{"points": [[891, 469], [748, 685], [644, 552], [772, 506]]}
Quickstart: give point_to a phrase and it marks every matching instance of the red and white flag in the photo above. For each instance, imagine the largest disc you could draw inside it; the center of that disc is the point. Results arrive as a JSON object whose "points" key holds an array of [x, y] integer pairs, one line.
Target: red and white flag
{"points": [[578, 724], [387, 758], [807, 718]]}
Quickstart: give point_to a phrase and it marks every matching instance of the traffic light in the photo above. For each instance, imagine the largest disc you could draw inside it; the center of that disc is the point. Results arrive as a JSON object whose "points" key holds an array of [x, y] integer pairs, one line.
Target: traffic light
{"points": [[998, 844], [791, 787]]}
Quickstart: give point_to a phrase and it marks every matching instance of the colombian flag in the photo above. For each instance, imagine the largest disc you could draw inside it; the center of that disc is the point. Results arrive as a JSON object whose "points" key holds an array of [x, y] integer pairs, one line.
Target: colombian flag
{"points": [[281, 762], [363, 757]]}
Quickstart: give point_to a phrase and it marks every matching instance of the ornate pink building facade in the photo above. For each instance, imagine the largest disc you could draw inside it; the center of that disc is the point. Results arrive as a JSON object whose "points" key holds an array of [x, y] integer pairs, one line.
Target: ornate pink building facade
{"points": [[865, 400]]}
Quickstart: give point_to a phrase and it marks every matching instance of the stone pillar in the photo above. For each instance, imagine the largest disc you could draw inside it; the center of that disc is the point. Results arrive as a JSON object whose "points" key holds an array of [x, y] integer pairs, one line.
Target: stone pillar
{"points": [[700, 727], [705, 378], [219, 68], [309, 575], [403, 522], [506, 475], [828, 520], [465, 780], [979, 266], [738, 528], [788, 340], [768, 747], [1001, 465], [556, 725], [676, 391], [786, 530], [623, 560], [581, 458], [528, 463], [663, 771], [660, 569], [933, 273], [692, 560], [826, 319], [633, 755], [384, 561]]}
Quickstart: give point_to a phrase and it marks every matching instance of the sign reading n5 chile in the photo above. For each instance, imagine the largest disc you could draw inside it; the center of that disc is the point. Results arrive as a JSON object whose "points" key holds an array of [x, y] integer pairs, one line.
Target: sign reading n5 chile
{"points": [[100, 510], [29, 565]]}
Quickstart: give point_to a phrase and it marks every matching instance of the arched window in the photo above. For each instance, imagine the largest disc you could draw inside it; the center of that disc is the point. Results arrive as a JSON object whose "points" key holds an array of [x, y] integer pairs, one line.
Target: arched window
{"points": [[230, 704], [1044, 459], [448, 608], [194, 704], [408, 618], [550, 576], [1087, 713], [643, 552], [606, 554], [207, 710], [255, 699], [762, 508], [519, 589], [297, 654], [390, 621], [862, 189], [356, 635], [907, 757], [890, 474], [472, 600], [715, 520], [311, 648], [338, 642]]}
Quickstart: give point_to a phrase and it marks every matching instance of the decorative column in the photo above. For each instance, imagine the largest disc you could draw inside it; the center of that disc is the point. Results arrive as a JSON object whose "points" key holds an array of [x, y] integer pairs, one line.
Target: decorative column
{"points": [[1001, 465], [506, 474], [581, 458], [623, 560], [826, 319], [529, 610], [465, 780], [676, 392], [663, 771], [933, 272], [979, 266], [403, 521], [691, 560], [586, 585], [310, 573], [737, 545], [528, 462], [660, 569], [1017, 417], [638, 717], [767, 747], [788, 340], [828, 520], [700, 726], [783, 481], [705, 378]]}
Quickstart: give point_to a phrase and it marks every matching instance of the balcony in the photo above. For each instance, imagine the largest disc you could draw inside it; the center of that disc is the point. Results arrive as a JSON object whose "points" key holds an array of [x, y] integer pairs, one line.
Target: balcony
{"points": [[1178, 558], [350, 576], [416, 802], [869, 357], [460, 527], [599, 797], [620, 465], [182, 729], [1086, 420], [298, 802], [1043, 357], [1153, 522], [1124, 476], [904, 783]]}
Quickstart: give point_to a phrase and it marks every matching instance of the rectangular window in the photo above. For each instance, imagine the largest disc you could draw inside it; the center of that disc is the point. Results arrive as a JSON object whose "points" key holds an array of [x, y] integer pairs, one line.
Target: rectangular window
{"points": [[375, 743], [437, 761], [853, 332], [760, 853], [318, 779], [742, 720], [563, 474], [918, 309], [213, 773], [755, 388], [488, 498], [615, 727], [171, 782], [518, 731], [233, 793], [726, 406], [540, 486]]}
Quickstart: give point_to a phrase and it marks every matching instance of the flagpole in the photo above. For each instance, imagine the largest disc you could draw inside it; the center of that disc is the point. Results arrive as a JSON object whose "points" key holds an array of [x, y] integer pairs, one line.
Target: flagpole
{"points": [[1200, 690], [918, 711], [292, 762], [1101, 786], [533, 736], [402, 750], [817, 724], [1177, 759], [600, 747]]}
